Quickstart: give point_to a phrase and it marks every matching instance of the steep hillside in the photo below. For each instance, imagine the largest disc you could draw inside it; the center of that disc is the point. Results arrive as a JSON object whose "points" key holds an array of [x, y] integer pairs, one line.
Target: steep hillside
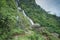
{"points": [[11, 20], [15, 25], [39, 15]]}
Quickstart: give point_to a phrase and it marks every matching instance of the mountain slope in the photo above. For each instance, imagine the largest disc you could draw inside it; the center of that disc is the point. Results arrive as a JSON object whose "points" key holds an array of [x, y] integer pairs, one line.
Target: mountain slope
{"points": [[15, 26], [11, 20], [39, 15]]}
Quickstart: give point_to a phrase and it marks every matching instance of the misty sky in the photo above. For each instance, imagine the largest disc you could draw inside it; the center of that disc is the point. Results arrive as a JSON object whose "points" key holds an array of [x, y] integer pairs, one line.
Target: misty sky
{"points": [[50, 5]]}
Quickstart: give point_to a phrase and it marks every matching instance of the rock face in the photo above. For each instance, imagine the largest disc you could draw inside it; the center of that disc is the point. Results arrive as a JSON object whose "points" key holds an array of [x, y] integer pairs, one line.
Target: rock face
{"points": [[35, 27]]}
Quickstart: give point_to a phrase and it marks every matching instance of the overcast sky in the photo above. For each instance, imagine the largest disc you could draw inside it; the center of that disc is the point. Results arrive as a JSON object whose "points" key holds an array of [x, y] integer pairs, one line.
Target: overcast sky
{"points": [[50, 5]]}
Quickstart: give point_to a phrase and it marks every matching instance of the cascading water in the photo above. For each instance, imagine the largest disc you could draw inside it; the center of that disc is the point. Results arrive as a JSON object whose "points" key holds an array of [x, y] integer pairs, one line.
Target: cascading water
{"points": [[28, 18], [19, 8], [17, 3]]}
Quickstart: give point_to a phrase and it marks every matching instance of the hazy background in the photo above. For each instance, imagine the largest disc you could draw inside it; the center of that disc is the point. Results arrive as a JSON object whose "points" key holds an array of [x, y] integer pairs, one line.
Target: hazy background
{"points": [[50, 5]]}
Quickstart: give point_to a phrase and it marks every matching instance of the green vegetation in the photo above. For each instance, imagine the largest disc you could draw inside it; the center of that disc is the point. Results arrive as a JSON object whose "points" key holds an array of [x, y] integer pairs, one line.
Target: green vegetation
{"points": [[8, 19], [13, 28], [39, 15]]}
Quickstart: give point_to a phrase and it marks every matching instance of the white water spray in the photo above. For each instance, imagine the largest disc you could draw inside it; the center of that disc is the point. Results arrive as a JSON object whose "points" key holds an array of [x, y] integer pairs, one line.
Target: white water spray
{"points": [[28, 18]]}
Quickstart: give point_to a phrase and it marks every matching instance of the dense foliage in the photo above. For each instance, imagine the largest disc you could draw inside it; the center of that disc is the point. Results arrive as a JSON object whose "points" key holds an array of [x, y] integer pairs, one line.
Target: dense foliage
{"points": [[10, 25], [39, 15], [7, 19]]}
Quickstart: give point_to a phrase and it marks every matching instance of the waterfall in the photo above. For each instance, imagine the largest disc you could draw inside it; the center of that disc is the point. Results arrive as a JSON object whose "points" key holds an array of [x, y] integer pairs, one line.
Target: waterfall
{"points": [[19, 9], [17, 3], [28, 18]]}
